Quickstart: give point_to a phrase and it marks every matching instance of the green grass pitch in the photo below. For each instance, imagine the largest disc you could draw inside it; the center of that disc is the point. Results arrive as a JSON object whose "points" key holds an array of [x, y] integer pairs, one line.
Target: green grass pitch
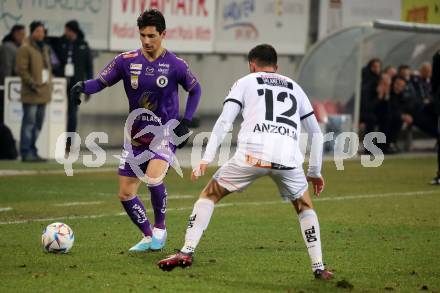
{"points": [[380, 232]]}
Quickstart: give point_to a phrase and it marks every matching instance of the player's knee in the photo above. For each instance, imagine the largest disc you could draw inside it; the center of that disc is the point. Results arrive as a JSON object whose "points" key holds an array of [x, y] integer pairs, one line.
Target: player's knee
{"points": [[125, 194], [214, 191], [302, 205], [211, 196], [154, 181], [211, 193]]}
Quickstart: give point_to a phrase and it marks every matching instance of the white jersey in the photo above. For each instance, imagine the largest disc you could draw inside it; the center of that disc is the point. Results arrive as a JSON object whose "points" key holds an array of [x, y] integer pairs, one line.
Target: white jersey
{"points": [[273, 106]]}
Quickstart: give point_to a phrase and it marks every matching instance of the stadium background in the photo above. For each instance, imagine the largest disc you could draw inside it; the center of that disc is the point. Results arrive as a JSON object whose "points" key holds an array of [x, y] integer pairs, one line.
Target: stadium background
{"points": [[379, 225], [212, 36]]}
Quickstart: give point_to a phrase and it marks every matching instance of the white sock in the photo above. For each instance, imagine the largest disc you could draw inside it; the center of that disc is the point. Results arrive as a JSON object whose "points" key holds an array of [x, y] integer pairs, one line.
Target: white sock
{"points": [[311, 235], [198, 222]]}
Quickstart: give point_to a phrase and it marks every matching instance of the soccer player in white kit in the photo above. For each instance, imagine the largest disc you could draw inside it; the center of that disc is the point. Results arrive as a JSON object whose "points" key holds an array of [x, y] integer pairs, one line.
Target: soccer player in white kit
{"points": [[273, 108]]}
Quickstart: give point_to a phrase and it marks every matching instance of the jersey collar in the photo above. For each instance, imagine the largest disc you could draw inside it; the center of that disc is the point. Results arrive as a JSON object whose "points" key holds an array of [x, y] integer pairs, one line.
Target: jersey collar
{"points": [[164, 52]]}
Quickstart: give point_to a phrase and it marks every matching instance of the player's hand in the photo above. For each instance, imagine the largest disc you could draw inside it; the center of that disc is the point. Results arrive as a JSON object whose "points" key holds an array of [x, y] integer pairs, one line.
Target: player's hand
{"points": [[199, 170], [182, 130], [317, 183], [76, 90]]}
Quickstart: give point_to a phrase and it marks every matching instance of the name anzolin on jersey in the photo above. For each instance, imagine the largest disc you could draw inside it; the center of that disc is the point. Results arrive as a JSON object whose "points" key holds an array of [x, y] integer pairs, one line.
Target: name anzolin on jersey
{"points": [[277, 129]]}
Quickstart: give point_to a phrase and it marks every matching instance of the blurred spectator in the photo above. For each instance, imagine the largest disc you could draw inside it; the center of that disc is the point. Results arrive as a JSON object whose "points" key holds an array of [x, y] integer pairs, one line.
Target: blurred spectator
{"points": [[412, 102], [391, 116], [419, 110], [402, 110], [422, 83], [404, 72], [8, 51], [53, 56], [391, 71], [76, 64], [34, 68], [370, 80], [383, 87], [383, 101]]}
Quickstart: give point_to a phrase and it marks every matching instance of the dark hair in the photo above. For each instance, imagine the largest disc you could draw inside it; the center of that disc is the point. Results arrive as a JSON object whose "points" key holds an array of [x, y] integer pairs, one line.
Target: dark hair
{"points": [[263, 55], [152, 17], [397, 77], [10, 36], [33, 26], [372, 61], [402, 67], [73, 25]]}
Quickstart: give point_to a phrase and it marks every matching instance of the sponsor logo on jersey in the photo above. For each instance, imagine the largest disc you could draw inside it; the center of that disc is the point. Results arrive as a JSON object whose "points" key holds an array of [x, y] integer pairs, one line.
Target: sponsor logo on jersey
{"points": [[166, 65], [135, 72], [276, 129], [163, 70], [149, 118], [149, 71], [134, 80], [162, 81], [274, 81], [146, 102], [135, 66]]}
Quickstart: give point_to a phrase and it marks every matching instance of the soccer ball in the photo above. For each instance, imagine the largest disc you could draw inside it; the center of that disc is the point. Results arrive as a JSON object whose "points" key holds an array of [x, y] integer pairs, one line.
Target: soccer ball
{"points": [[57, 238]]}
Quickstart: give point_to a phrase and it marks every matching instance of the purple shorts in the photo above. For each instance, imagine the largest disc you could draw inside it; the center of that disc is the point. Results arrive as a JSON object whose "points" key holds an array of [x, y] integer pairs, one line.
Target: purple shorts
{"points": [[134, 159]]}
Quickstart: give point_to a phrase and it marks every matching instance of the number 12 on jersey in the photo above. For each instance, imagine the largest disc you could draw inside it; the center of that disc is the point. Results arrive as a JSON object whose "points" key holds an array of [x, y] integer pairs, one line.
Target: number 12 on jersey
{"points": [[281, 97]]}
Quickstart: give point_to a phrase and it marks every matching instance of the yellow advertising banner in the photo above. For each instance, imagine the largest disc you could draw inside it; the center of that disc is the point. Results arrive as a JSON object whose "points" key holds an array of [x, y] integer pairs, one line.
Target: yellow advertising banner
{"points": [[421, 11]]}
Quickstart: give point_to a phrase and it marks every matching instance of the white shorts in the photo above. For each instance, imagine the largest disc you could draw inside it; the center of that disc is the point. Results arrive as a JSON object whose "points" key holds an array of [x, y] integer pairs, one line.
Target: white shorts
{"points": [[237, 175]]}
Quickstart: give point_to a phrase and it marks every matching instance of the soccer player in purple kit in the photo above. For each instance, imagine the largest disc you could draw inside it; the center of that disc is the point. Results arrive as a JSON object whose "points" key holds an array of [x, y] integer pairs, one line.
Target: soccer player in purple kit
{"points": [[151, 76]]}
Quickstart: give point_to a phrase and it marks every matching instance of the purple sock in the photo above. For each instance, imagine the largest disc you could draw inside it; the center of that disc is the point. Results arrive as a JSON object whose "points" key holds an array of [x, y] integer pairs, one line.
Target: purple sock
{"points": [[138, 215], [159, 203]]}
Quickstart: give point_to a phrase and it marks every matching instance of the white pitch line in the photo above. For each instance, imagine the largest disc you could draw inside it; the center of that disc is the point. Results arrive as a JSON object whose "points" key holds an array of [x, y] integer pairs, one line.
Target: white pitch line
{"points": [[7, 172], [172, 196], [336, 198], [221, 205], [5, 209], [77, 203], [183, 196], [86, 203]]}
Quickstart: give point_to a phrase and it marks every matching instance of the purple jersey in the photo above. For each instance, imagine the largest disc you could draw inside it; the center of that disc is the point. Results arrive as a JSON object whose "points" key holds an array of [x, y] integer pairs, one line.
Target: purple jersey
{"points": [[150, 85]]}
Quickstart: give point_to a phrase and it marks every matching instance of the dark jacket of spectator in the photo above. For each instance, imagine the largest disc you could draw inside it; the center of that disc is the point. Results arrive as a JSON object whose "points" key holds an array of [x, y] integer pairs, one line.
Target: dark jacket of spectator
{"points": [[370, 80], [435, 80], [423, 88], [369, 101], [81, 58], [8, 51]]}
